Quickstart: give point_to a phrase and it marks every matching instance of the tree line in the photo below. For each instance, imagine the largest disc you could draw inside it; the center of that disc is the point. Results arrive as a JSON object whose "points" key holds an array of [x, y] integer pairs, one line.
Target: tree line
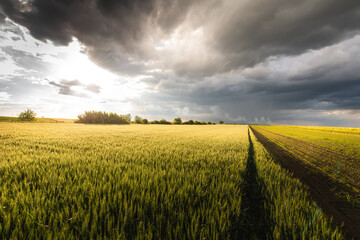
{"points": [[176, 121], [100, 117]]}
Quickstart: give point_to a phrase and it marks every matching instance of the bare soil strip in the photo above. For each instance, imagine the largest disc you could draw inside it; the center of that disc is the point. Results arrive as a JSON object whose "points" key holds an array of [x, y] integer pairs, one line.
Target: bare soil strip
{"points": [[322, 189]]}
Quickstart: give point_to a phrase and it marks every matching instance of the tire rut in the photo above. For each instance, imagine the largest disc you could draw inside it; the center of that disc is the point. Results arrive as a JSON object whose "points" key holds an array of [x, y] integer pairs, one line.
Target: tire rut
{"points": [[321, 188]]}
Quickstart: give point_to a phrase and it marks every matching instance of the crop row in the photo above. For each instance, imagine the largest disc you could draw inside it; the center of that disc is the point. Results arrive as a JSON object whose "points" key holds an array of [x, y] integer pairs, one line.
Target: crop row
{"points": [[347, 145], [338, 166], [325, 160], [71, 181], [342, 130], [293, 215]]}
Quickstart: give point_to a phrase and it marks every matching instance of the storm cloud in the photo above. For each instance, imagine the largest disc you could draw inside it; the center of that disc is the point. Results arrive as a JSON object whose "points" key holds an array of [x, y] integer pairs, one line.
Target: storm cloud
{"points": [[256, 61], [233, 33]]}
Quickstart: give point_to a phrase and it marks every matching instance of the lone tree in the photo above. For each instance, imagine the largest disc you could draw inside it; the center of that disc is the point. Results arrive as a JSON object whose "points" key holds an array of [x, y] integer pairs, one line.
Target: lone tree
{"points": [[28, 115], [221, 122]]}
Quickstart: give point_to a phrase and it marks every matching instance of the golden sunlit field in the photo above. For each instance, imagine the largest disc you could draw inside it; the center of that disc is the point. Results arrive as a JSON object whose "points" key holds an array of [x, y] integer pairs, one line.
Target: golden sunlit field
{"points": [[72, 181], [178, 112]]}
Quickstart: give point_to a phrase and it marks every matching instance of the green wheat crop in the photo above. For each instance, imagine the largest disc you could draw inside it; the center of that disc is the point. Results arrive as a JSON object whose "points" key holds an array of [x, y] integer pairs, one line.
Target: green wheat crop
{"points": [[74, 181]]}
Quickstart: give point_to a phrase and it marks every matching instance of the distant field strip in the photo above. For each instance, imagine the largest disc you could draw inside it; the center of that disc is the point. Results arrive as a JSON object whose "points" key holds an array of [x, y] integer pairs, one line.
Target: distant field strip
{"points": [[353, 131], [75, 181], [345, 144], [336, 162], [38, 120]]}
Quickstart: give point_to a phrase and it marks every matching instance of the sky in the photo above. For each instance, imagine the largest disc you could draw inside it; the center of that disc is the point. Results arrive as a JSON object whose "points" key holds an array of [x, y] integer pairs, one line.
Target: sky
{"points": [[241, 61]]}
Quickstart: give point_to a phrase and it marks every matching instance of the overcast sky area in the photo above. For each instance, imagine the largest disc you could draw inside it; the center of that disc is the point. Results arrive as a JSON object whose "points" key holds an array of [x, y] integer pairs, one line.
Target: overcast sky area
{"points": [[242, 61]]}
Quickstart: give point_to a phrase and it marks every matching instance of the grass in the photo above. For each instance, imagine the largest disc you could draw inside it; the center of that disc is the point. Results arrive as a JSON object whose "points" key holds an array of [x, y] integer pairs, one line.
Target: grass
{"points": [[8, 119], [332, 154], [64, 120], [38, 120], [355, 131], [292, 214], [71, 181], [346, 144]]}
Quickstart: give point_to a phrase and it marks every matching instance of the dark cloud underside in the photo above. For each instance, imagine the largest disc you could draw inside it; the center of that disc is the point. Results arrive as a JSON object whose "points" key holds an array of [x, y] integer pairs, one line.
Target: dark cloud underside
{"points": [[219, 57], [242, 33]]}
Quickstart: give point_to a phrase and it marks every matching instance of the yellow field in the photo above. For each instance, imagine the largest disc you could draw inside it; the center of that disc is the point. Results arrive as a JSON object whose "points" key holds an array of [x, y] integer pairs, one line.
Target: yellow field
{"points": [[70, 181]]}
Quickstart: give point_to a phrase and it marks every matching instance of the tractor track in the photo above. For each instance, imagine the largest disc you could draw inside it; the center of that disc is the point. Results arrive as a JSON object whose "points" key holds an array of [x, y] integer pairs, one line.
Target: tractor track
{"points": [[322, 189]]}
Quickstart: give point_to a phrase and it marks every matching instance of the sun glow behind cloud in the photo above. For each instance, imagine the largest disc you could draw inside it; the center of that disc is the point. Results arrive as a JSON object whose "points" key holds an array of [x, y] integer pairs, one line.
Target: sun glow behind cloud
{"points": [[95, 88], [73, 64], [74, 82], [229, 60]]}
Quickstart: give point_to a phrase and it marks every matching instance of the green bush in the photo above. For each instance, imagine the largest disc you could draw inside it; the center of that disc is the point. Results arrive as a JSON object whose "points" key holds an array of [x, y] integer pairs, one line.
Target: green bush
{"points": [[177, 121], [189, 122], [102, 118], [154, 122], [28, 115], [162, 121], [138, 120]]}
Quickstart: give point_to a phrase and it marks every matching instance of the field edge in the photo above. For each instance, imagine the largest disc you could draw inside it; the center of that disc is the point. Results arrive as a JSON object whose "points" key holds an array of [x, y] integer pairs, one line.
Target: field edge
{"points": [[320, 186]]}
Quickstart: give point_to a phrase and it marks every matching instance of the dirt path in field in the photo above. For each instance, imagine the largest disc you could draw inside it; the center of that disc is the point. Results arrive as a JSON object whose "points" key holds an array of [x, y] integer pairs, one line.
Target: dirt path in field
{"points": [[322, 189]]}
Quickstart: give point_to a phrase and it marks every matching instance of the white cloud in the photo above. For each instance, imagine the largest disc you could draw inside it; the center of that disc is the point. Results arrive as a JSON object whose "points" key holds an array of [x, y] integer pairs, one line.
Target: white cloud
{"points": [[4, 96]]}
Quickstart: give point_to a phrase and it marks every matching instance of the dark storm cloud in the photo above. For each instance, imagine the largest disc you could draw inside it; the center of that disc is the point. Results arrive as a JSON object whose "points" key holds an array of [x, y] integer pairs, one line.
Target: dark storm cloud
{"points": [[116, 63], [235, 59], [104, 26], [280, 27], [239, 33], [2, 18], [244, 33], [324, 80]]}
